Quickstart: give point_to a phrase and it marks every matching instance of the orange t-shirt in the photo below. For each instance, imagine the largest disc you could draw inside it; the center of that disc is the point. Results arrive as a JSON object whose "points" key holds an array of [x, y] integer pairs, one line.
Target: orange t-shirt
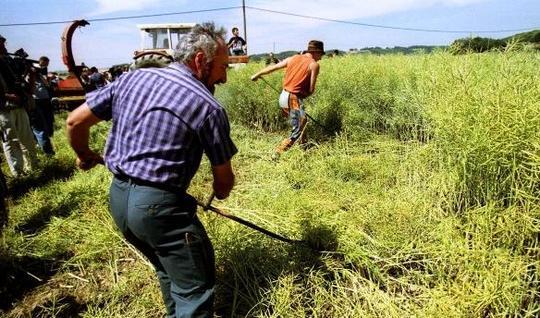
{"points": [[297, 78]]}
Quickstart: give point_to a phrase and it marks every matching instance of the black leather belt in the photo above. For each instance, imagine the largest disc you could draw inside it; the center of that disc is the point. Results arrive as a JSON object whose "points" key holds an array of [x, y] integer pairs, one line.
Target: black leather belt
{"points": [[137, 181]]}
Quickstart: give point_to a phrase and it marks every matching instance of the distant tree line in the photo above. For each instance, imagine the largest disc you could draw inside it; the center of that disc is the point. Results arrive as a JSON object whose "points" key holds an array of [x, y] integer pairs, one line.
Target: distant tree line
{"points": [[479, 44], [414, 49], [530, 37], [523, 40], [280, 56], [476, 45]]}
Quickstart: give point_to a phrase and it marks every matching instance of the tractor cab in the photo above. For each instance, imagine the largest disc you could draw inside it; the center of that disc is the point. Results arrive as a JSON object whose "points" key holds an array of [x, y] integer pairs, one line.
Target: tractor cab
{"points": [[159, 40]]}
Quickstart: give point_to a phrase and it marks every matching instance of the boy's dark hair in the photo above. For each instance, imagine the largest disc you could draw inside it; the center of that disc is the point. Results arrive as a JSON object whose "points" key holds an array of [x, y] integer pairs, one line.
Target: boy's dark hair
{"points": [[234, 29]]}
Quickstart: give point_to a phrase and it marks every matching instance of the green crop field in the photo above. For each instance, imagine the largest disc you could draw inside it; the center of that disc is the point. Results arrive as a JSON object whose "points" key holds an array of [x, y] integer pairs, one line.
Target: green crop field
{"points": [[422, 188]]}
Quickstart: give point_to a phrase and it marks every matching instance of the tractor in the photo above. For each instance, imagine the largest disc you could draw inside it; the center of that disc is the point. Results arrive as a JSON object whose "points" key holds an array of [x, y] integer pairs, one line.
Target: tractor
{"points": [[158, 42], [157, 46]]}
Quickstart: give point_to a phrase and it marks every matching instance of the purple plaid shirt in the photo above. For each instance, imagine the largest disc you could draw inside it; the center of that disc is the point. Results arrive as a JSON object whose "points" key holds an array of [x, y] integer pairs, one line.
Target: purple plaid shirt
{"points": [[163, 119]]}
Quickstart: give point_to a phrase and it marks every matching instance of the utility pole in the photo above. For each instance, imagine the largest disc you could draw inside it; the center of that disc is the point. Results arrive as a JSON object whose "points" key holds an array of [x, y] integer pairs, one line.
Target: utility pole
{"points": [[244, 13]]}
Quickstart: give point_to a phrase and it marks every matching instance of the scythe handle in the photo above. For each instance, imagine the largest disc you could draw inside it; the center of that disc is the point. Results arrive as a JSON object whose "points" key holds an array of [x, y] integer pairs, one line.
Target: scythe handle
{"points": [[249, 224]]}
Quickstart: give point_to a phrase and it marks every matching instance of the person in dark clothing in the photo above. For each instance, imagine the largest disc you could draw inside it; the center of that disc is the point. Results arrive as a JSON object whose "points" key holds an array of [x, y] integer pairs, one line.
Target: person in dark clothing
{"points": [[96, 80], [42, 116], [237, 45]]}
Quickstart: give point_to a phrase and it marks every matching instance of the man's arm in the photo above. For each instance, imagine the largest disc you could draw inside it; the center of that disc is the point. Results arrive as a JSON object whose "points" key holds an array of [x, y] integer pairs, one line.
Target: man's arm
{"points": [[270, 68], [314, 68], [78, 125], [223, 180]]}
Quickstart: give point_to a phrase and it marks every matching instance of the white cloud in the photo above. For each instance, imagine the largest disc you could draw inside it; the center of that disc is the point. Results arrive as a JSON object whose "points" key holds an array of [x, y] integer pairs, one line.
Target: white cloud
{"points": [[110, 6]]}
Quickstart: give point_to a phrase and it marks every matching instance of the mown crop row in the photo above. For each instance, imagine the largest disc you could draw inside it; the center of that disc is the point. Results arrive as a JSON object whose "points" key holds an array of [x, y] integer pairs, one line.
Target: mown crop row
{"points": [[480, 112]]}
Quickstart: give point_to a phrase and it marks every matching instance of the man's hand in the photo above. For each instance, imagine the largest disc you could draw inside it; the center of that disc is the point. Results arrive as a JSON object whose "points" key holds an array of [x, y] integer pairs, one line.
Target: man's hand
{"points": [[223, 180], [89, 160]]}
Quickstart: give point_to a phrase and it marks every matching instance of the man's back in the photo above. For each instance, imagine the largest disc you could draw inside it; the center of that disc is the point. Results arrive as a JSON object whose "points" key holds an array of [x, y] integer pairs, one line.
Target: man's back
{"points": [[297, 75], [159, 117]]}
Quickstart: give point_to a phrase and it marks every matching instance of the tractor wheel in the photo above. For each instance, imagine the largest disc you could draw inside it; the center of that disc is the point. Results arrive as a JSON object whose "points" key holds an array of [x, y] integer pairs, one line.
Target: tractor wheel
{"points": [[151, 59]]}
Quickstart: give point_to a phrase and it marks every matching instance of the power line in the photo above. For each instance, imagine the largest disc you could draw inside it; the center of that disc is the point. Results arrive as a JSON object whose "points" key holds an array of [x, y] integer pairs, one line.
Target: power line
{"points": [[386, 26], [275, 12], [122, 17]]}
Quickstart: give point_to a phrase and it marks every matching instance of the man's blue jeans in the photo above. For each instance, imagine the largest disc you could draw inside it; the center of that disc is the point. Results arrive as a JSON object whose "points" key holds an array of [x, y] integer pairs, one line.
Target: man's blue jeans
{"points": [[42, 126], [163, 225]]}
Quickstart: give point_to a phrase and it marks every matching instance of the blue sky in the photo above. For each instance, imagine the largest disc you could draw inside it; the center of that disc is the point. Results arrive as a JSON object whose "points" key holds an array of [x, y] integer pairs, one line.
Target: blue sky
{"points": [[106, 43]]}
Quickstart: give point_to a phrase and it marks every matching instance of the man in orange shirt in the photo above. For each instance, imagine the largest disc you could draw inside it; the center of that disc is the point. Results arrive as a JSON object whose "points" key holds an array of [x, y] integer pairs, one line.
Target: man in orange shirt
{"points": [[298, 83]]}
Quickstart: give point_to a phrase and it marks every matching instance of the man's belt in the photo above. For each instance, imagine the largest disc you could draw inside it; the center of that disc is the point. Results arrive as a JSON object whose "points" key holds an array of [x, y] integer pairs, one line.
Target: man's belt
{"points": [[137, 181]]}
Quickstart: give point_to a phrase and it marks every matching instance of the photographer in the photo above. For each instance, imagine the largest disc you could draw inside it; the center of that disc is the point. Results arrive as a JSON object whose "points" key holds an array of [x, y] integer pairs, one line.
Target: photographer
{"points": [[17, 138]]}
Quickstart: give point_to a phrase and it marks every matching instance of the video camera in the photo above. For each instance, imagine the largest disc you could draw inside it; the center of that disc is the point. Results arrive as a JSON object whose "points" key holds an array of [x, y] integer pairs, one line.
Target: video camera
{"points": [[20, 53], [19, 66], [23, 63]]}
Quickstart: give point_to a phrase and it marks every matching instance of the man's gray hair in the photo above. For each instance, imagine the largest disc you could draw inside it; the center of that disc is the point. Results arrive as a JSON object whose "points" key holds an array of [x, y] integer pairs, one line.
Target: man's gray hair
{"points": [[202, 37]]}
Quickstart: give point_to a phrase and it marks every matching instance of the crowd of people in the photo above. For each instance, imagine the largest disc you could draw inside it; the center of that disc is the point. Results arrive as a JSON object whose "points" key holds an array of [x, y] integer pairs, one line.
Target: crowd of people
{"points": [[26, 112], [92, 78]]}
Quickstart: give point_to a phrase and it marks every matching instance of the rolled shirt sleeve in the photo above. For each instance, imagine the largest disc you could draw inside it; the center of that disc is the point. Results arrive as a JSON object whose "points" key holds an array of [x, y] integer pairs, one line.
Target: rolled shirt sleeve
{"points": [[215, 138], [100, 101]]}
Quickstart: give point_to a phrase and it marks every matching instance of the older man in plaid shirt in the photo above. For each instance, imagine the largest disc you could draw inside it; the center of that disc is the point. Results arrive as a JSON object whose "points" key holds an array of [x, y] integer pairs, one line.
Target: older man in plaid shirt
{"points": [[163, 119]]}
